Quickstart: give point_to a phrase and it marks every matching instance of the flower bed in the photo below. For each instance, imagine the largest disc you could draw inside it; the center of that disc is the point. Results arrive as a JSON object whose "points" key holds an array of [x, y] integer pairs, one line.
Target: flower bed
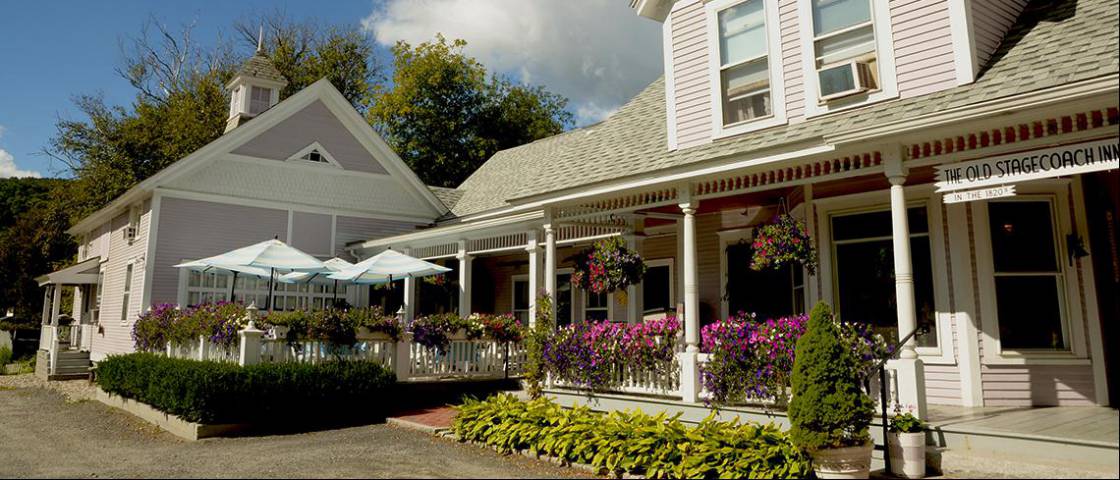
{"points": [[214, 392], [587, 354], [752, 360], [631, 442]]}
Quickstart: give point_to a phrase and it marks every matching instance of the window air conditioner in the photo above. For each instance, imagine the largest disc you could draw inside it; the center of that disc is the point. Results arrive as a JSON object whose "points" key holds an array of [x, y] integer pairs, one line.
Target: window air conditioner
{"points": [[845, 79], [130, 233]]}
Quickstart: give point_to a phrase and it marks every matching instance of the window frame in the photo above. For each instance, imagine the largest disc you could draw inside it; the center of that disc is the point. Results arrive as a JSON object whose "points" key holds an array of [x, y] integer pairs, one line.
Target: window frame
{"points": [[746, 234], [280, 290], [126, 291], [1057, 193], [884, 54], [916, 195], [251, 101], [662, 262], [774, 66]]}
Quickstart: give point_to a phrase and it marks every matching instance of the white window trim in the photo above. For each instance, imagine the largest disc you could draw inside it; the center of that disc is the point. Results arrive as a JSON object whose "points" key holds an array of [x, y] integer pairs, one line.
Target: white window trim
{"points": [[1057, 192], [322, 151], [665, 262], [774, 65], [513, 279], [130, 280], [943, 353], [884, 54]]}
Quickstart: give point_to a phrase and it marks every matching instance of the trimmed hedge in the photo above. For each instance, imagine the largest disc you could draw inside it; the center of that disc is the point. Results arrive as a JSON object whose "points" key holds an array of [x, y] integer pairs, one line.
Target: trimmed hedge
{"points": [[657, 446], [279, 393]]}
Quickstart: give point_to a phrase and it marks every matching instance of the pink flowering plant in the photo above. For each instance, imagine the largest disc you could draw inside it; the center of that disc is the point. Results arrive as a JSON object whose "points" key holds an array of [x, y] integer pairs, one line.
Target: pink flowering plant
{"points": [[503, 328], [587, 355], [607, 267], [749, 358], [783, 242]]}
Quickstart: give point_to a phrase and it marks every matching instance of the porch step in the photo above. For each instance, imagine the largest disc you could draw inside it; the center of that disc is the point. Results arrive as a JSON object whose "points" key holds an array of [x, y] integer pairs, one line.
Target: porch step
{"points": [[71, 364], [969, 449]]}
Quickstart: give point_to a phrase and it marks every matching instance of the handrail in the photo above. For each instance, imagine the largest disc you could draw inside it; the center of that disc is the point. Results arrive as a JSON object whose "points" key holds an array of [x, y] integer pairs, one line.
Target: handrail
{"points": [[881, 366]]}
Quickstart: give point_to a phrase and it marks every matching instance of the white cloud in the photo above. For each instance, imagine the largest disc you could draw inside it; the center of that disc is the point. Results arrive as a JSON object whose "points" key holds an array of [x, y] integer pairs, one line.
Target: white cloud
{"points": [[598, 53], [8, 166]]}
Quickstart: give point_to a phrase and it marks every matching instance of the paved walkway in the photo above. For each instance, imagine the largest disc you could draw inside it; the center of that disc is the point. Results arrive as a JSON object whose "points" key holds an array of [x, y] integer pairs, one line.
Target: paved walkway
{"points": [[44, 435]]}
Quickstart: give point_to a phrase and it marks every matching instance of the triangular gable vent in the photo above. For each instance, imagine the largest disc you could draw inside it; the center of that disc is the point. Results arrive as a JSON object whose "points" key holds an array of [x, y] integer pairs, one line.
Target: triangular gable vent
{"points": [[314, 156], [315, 153]]}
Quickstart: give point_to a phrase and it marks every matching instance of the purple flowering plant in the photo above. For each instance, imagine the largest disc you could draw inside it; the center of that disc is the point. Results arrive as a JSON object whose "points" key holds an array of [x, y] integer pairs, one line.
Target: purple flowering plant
{"points": [[149, 333], [608, 266], [588, 354], [784, 242]]}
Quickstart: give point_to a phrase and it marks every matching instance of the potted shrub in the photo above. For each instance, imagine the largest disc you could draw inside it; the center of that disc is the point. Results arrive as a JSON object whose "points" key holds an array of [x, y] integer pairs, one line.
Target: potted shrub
{"points": [[829, 413], [906, 439]]}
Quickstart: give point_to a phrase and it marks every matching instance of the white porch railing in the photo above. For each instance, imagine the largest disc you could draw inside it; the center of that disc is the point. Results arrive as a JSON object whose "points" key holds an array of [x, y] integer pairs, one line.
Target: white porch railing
{"points": [[465, 358], [632, 380]]}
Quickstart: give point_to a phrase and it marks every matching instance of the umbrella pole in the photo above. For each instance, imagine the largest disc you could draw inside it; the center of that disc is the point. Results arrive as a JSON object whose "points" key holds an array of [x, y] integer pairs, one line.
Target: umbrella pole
{"points": [[268, 303], [336, 291], [233, 288]]}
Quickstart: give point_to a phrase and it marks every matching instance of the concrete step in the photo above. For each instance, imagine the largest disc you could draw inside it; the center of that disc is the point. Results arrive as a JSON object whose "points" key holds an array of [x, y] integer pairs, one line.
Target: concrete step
{"points": [[970, 450]]}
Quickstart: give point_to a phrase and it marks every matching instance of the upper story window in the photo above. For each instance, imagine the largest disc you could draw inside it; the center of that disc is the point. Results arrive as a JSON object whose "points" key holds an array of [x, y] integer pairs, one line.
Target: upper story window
{"points": [[260, 99], [744, 63], [844, 47], [746, 77]]}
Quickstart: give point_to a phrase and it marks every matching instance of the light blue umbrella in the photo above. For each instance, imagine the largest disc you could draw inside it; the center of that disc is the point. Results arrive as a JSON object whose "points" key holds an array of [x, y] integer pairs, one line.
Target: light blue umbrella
{"points": [[204, 266], [271, 255], [322, 278], [386, 267]]}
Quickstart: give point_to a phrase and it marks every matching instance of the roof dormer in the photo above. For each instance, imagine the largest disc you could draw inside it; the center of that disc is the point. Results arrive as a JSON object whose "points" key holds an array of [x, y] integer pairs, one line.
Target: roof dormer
{"points": [[254, 89]]}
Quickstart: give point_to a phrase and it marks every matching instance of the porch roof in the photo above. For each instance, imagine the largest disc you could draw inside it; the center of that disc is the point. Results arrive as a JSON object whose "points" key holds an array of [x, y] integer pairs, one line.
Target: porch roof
{"points": [[81, 273], [1051, 45]]}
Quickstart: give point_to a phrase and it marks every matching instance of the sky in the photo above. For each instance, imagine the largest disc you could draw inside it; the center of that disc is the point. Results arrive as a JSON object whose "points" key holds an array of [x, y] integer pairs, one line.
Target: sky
{"points": [[597, 53]]}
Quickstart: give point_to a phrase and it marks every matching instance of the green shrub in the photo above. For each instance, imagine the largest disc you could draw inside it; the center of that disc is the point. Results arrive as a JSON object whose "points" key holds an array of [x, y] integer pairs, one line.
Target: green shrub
{"points": [[535, 338], [657, 446], [5, 357], [215, 392], [828, 409]]}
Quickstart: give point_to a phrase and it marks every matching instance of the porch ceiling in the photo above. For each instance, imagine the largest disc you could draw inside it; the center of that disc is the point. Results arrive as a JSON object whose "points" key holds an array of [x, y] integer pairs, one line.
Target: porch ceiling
{"points": [[82, 273]]}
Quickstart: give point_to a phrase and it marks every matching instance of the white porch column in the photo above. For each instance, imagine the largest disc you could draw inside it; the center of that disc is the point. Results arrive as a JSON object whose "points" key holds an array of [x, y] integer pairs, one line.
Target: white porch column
{"points": [[911, 374], [634, 293], [550, 268], [532, 246], [409, 296], [46, 318], [690, 372], [465, 263], [56, 304]]}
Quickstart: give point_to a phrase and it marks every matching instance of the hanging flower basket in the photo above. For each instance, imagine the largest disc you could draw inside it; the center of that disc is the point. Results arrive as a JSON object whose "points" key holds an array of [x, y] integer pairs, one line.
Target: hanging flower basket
{"points": [[784, 242], [608, 267]]}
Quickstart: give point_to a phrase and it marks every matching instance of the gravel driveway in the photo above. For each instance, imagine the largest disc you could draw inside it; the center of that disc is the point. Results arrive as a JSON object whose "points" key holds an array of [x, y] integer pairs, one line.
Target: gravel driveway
{"points": [[44, 435]]}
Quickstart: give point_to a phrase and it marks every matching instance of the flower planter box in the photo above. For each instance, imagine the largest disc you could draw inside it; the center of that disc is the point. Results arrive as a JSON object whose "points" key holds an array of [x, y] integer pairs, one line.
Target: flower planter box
{"points": [[176, 426], [908, 454], [848, 462]]}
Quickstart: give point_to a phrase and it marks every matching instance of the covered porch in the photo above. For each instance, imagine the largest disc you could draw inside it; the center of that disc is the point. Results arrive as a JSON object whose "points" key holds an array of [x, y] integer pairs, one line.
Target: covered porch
{"points": [[65, 338]]}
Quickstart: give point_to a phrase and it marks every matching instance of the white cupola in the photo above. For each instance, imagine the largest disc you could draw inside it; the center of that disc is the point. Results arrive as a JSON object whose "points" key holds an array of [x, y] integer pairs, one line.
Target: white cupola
{"points": [[254, 89]]}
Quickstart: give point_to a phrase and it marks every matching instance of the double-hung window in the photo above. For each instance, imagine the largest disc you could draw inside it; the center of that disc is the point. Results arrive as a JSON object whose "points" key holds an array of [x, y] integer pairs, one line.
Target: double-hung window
{"points": [[746, 77], [847, 53], [126, 292]]}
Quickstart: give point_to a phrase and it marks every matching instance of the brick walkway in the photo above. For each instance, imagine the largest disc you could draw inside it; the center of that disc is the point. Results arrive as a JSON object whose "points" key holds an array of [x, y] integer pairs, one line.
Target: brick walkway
{"points": [[434, 417]]}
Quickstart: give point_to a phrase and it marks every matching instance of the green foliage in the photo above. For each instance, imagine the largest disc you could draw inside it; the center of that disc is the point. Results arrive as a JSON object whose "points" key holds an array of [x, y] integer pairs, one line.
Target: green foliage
{"points": [[656, 446], [536, 370], [5, 357], [445, 116], [906, 423], [828, 409], [214, 392], [34, 216]]}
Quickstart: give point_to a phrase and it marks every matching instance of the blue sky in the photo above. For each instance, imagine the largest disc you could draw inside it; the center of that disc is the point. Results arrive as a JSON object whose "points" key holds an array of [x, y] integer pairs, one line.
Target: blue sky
{"points": [[596, 52]]}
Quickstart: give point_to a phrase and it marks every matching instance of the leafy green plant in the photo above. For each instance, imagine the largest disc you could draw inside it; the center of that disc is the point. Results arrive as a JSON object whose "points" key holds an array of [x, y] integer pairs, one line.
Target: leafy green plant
{"points": [[906, 423], [537, 337], [657, 446], [214, 392], [5, 357], [828, 409], [375, 320]]}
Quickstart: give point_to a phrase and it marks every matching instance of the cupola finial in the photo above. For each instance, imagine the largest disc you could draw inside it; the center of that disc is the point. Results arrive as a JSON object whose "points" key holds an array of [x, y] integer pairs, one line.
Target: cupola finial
{"points": [[260, 40]]}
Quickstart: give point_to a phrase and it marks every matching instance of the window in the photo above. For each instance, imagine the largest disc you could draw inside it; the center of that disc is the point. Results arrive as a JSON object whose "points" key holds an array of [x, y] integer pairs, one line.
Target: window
{"points": [[314, 156], [844, 48], [766, 293], [212, 287], [657, 288], [260, 100], [1025, 265], [863, 265], [126, 293], [744, 72], [521, 298], [97, 292], [596, 307], [563, 299]]}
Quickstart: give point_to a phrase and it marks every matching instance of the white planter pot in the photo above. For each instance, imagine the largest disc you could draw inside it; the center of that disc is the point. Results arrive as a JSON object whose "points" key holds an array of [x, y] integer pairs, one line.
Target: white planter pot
{"points": [[908, 454], [847, 462]]}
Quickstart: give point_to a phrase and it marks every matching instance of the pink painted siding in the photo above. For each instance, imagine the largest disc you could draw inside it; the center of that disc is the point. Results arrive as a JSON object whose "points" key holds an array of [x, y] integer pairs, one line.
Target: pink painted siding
{"points": [[190, 229], [690, 75], [311, 232], [354, 229], [791, 60], [923, 46], [315, 123], [1037, 385], [116, 335], [943, 384], [990, 21]]}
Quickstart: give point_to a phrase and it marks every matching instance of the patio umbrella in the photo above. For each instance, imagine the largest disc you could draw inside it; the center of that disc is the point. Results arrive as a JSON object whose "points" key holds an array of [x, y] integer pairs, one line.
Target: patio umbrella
{"points": [[386, 266], [204, 266], [272, 255], [334, 265]]}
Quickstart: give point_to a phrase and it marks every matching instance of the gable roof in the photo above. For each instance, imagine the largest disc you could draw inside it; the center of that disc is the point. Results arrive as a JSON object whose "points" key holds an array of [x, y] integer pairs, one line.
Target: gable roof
{"points": [[1052, 43], [321, 90]]}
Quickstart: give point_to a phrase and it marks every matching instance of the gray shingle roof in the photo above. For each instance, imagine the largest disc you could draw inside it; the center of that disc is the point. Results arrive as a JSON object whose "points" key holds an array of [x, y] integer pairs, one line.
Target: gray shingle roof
{"points": [[449, 196], [1052, 43], [259, 66]]}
